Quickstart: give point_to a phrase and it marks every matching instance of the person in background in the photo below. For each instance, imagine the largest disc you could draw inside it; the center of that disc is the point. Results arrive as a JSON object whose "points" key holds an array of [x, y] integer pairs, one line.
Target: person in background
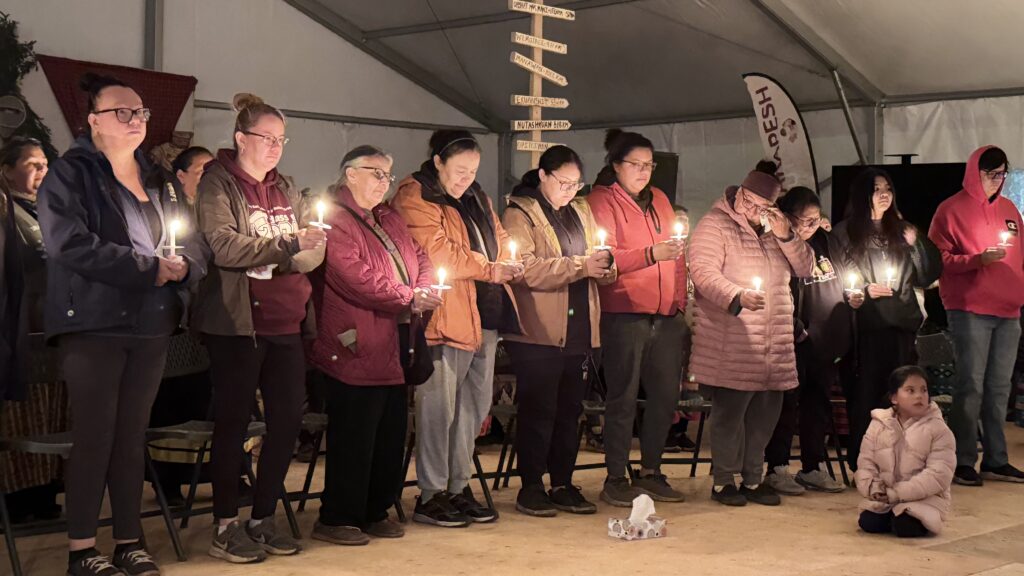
{"points": [[642, 324], [892, 260], [375, 279], [823, 329], [905, 467], [677, 440], [253, 312], [188, 170], [561, 316], [31, 481], [113, 299], [742, 257], [978, 232], [451, 218]]}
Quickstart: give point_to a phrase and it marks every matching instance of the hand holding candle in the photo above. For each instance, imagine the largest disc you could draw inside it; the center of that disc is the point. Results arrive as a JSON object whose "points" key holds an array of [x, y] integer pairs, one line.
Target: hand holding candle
{"points": [[755, 299]]}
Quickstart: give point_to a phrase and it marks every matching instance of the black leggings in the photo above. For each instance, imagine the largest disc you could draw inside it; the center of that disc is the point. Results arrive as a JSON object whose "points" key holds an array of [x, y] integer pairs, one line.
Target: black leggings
{"points": [[904, 525], [238, 364], [112, 381]]}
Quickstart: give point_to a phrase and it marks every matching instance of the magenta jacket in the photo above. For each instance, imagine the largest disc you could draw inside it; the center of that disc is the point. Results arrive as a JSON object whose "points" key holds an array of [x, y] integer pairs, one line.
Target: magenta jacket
{"points": [[359, 298]]}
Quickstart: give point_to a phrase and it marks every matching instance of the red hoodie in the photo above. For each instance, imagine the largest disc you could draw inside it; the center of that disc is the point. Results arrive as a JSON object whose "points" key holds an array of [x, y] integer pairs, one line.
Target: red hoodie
{"points": [[963, 227], [278, 304], [644, 286]]}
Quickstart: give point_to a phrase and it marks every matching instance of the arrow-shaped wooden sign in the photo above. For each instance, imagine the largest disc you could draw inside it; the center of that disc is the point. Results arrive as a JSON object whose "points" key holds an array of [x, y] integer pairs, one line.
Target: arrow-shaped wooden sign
{"points": [[534, 68], [543, 102], [541, 10], [531, 146], [530, 125], [543, 44]]}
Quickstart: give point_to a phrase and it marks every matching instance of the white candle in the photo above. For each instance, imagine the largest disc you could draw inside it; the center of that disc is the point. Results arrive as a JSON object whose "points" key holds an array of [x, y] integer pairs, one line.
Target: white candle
{"points": [[852, 278], [1004, 238], [320, 212], [679, 231], [172, 228], [441, 274], [601, 237], [512, 249], [757, 283], [890, 274]]}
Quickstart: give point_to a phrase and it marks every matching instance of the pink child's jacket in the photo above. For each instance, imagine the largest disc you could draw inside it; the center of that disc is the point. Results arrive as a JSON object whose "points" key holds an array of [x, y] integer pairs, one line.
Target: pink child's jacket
{"points": [[912, 463]]}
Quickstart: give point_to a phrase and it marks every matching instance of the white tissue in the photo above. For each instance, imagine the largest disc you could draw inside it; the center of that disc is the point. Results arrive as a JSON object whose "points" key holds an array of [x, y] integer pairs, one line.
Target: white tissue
{"points": [[642, 523], [643, 507]]}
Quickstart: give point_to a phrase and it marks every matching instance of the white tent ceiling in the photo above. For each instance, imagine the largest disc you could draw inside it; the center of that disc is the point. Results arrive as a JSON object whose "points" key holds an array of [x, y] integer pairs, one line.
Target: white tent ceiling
{"points": [[636, 62]]}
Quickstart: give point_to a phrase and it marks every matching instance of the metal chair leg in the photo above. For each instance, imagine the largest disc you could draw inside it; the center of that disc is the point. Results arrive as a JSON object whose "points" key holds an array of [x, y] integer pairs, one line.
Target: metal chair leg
{"points": [[193, 485], [840, 457], [409, 449], [506, 448], [12, 549], [697, 444], [310, 471], [511, 466], [165, 510], [290, 514], [483, 482]]}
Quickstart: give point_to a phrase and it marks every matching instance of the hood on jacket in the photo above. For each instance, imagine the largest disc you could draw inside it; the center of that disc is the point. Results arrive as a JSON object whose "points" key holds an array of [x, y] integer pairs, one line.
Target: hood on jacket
{"points": [[972, 176], [228, 158], [84, 148], [431, 185], [888, 418]]}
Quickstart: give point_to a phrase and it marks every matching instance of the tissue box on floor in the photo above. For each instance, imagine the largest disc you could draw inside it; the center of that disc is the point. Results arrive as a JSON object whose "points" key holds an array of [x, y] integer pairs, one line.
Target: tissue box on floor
{"points": [[642, 523]]}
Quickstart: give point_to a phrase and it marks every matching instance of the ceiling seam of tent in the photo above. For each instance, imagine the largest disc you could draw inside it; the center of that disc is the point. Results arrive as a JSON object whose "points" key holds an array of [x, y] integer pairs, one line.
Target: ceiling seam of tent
{"points": [[455, 54]]}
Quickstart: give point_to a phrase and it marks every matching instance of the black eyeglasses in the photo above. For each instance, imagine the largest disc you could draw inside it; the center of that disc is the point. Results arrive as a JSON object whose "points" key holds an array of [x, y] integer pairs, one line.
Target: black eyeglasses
{"points": [[270, 141], [379, 174], [568, 185], [642, 166], [996, 174], [125, 115]]}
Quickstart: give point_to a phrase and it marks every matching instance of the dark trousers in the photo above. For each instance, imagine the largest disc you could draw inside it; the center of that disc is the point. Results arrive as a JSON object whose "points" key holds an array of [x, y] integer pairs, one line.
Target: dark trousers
{"points": [[640, 350], [879, 353], [904, 525], [366, 428], [550, 387], [112, 381], [807, 409], [741, 425], [238, 364]]}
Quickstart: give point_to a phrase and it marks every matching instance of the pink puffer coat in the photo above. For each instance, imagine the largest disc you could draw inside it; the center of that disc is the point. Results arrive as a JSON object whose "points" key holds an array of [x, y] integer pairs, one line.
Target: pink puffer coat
{"points": [[749, 351], [912, 463]]}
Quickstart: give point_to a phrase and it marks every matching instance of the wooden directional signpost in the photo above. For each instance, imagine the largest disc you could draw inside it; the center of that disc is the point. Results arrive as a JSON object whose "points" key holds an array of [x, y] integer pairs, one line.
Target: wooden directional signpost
{"points": [[538, 74]]}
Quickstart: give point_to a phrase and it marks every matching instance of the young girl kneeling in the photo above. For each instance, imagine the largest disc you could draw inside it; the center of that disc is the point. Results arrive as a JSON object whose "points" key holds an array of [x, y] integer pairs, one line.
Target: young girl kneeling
{"points": [[906, 461]]}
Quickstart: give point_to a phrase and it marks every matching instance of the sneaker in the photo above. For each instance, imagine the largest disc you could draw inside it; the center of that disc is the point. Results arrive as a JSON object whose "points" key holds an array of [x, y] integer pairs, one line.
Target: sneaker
{"points": [[657, 487], [235, 545], [570, 499], [466, 503], [385, 528], [729, 496], [782, 482], [266, 535], [439, 511], [341, 535], [619, 492], [967, 476], [672, 444], [305, 453], [1004, 473], [763, 495], [134, 560], [687, 445], [95, 564], [819, 481], [534, 501]]}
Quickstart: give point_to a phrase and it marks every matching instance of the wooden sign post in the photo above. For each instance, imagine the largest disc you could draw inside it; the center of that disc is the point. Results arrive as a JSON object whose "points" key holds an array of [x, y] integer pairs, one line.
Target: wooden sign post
{"points": [[538, 73]]}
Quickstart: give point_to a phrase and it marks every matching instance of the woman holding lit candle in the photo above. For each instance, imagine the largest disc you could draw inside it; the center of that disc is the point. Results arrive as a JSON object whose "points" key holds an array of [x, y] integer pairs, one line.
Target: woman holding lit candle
{"points": [[982, 288], [451, 217], [376, 279], [823, 329], [892, 260], [743, 347], [642, 325], [113, 301], [253, 312], [560, 312]]}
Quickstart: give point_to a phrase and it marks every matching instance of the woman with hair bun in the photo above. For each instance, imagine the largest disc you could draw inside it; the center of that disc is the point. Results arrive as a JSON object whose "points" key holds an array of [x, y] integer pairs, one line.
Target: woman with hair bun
{"points": [[253, 312]]}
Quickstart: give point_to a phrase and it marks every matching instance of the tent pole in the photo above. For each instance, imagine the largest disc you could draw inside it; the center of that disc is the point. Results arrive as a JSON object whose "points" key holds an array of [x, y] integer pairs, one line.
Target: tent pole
{"points": [[849, 117]]}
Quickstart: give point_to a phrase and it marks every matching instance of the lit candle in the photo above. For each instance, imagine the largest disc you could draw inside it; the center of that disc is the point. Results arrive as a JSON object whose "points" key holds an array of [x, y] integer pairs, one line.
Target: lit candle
{"points": [[172, 229], [1004, 238], [441, 273], [757, 283], [679, 231], [320, 212], [890, 277], [601, 237], [852, 278], [512, 249]]}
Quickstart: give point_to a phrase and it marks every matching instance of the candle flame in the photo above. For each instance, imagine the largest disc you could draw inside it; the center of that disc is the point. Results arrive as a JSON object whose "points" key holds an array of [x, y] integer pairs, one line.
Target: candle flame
{"points": [[512, 249], [601, 236], [441, 274], [757, 283]]}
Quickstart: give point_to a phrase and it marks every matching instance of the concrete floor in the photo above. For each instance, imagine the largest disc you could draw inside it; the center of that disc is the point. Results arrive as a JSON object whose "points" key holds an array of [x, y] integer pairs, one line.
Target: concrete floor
{"points": [[811, 534]]}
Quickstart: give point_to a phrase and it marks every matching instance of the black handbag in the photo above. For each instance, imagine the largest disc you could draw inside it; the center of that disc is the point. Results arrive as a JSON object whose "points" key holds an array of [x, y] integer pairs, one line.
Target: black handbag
{"points": [[413, 350]]}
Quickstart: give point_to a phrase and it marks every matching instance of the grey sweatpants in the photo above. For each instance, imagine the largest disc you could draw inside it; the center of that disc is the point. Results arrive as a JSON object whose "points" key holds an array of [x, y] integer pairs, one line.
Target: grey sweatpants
{"points": [[450, 408], [741, 426]]}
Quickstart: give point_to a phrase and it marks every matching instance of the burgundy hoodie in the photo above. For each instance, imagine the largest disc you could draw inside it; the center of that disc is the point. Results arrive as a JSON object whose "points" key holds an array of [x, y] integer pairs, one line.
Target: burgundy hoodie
{"points": [[963, 227], [278, 304]]}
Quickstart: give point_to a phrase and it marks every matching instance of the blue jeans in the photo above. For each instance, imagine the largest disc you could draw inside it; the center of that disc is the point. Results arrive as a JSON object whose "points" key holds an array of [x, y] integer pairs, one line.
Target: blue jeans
{"points": [[986, 348]]}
